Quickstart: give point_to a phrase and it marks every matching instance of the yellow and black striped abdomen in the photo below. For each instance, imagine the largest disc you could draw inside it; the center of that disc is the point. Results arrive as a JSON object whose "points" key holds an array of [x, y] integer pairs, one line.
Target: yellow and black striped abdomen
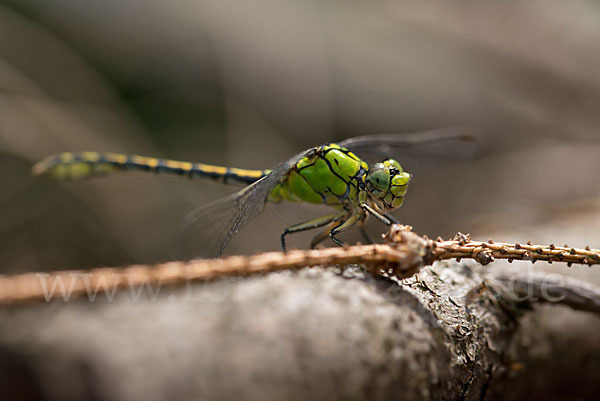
{"points": [[76, 166]]}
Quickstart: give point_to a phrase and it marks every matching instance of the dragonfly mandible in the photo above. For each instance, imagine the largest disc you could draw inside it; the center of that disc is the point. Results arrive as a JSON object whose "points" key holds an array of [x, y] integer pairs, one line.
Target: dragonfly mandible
{"points": [[336, 174]]}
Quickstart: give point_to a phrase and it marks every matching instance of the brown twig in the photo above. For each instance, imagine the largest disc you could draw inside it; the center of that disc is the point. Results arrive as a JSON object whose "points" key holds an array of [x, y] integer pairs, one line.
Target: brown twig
{"points": [[485, 252], [403, 255], [401, 260]]}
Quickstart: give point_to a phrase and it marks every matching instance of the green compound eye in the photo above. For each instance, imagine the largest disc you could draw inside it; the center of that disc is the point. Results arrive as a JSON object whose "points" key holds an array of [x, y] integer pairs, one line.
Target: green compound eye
{"points": [[379, 180]]}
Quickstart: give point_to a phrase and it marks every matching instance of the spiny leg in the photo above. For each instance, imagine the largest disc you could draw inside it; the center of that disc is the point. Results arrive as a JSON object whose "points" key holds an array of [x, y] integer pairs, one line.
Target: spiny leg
{"points": [[322, 235], [343, 226], [309, 225], [384, 218], [391, 218]]}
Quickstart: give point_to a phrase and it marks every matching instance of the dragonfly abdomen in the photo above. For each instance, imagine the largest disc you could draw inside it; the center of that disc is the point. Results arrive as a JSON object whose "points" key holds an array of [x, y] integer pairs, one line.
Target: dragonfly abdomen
{"points": [[75, 166]]}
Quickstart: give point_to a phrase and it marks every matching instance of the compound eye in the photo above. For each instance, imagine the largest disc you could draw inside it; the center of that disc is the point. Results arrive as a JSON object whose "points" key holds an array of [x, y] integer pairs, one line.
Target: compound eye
{"points": [[379, 180]]}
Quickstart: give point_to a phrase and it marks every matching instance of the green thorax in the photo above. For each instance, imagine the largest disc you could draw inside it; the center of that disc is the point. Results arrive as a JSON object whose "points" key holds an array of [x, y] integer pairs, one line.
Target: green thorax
{"points": [[329, 174]]}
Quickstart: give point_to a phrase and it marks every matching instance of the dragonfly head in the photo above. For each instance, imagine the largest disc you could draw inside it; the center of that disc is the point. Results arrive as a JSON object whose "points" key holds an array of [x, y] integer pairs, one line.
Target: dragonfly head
{"points": [[386, 182]]}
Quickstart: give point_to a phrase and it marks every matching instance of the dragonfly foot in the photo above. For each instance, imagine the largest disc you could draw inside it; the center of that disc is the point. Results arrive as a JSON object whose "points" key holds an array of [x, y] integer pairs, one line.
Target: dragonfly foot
{"points": [[337, 241]]}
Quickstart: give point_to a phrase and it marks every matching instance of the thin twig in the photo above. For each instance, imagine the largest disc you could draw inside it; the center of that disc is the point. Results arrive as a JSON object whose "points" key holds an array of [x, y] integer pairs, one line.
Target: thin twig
{"points": [[400, 260], [485, 252], [403, 255]]}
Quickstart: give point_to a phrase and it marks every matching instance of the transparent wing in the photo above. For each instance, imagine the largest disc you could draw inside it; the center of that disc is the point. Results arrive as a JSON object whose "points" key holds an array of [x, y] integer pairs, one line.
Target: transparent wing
{"points": [[206, 231], [427, 149]]}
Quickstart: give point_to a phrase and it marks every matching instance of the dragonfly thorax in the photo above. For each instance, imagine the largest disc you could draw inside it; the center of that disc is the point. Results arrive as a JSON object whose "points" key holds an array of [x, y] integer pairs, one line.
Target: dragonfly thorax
{"points": [[387, 182]]}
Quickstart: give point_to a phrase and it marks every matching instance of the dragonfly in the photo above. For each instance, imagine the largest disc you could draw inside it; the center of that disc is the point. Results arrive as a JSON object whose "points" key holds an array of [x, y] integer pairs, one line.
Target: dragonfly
{"points": [[357, 178]]}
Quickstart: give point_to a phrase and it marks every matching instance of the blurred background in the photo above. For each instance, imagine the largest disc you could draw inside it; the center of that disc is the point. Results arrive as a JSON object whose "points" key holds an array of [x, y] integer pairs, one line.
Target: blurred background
{"points": [[249, 84]]}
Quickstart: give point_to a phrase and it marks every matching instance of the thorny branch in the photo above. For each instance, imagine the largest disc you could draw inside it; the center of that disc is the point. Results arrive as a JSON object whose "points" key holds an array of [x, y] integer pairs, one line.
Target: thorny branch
{"points": [[403, 254], [461, 246]]}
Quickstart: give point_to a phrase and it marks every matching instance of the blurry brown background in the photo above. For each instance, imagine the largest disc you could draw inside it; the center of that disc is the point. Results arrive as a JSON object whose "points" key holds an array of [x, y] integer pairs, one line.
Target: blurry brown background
{"points": [[249, 84]]}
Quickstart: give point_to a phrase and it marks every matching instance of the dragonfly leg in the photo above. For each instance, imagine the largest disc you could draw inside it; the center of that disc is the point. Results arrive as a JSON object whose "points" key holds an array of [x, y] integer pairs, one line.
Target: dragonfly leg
{"points": [[322, 235], [309, 225], [343, 226], [391, 218], [384, 218]]}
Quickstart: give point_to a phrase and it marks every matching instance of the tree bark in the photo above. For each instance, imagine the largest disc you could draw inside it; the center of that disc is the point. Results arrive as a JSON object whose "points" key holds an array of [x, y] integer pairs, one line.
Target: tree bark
{"points": [[452, 331]]}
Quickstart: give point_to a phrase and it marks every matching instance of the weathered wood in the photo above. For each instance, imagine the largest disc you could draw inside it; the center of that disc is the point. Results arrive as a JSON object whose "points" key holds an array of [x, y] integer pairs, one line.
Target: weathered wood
{"points": [[314, 334]]}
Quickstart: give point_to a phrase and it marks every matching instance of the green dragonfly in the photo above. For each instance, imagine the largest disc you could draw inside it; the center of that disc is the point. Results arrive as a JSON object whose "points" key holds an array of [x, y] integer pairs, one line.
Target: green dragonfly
{"points": [[337, 175]]}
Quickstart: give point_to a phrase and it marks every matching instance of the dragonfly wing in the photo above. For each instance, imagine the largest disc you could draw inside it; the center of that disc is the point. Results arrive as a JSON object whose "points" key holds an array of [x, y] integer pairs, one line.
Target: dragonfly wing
{"points": [[414, 150], [206, 231]]}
